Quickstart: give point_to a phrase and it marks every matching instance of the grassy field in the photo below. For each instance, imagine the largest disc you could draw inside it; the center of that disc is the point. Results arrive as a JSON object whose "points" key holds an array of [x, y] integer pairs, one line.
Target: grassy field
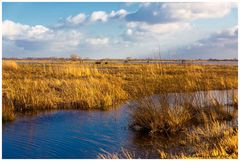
{"points": [[88, 86], [72, 84]]}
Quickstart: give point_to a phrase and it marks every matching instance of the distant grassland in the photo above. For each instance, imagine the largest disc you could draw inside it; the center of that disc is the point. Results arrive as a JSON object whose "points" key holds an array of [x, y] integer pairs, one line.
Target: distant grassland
{"points": [[72, 84]]}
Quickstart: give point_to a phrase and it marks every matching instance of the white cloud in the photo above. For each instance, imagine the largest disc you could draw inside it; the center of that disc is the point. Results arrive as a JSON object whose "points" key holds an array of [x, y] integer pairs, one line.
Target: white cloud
{"points": [[97, 41], [99, 16], [129, 32], [66, 39], [222, 44], [96, 16], [168, 24], [142, 27], [38, 38], [12, 30], [154, 13], [229, 32], [188, 11], [164, 28], [132, 24], [78, 19], [120, 13], [170, 35]]}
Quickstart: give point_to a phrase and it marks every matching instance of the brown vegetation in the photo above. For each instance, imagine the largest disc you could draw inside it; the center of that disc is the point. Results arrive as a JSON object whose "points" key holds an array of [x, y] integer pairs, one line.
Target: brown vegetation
{"points": [[85, 86], [7, 109], [201, 130], [67, 85]]}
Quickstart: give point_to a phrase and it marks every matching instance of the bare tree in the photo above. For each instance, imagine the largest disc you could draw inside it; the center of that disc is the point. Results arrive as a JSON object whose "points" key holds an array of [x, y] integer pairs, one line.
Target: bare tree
{"points": [[74, 57]]}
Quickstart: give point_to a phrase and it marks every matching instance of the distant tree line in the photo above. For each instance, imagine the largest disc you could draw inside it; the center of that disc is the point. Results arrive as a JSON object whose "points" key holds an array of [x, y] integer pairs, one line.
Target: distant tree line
{"points": [[75, 57]]}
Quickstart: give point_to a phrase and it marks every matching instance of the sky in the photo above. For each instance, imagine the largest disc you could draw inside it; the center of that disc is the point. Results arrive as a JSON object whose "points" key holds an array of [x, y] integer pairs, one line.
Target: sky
{"points": [[120, 30]]}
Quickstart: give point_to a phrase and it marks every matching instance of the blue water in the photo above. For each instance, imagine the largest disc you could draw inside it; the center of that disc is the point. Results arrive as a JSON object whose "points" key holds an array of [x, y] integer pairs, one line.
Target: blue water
{"points": [[70, 134], [84, 134]]}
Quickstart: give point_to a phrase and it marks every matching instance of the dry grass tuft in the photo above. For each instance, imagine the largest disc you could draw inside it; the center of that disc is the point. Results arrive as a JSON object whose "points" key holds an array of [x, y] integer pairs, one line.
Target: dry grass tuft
{"points": [[160, 117], [9, 65], [124, 154], [213, 140], [202, 131], [7, 110]]}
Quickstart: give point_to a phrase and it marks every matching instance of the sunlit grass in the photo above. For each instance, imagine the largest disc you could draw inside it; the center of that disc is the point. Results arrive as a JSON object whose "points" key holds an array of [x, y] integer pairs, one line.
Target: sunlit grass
{"points": [[9, 65], [73, 85], [86, 86], [7, 110]]}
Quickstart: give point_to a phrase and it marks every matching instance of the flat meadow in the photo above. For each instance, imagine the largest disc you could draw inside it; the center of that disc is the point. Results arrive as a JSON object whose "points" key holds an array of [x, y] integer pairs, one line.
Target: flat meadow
{"points": [[202, 130]]}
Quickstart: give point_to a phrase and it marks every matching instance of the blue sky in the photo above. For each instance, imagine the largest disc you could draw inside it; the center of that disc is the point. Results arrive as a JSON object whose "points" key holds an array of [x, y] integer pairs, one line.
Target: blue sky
{"points": [[120, 30]]}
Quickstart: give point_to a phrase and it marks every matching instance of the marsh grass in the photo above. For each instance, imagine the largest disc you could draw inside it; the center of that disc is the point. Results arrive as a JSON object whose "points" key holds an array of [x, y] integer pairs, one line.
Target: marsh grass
{"points": [[223, 147], [67, 84], [9, 65], [214, 135], [213, 140], [168, 114], [123, 154], [159, 117], [203, 129], [7, 110], [73, 85]]}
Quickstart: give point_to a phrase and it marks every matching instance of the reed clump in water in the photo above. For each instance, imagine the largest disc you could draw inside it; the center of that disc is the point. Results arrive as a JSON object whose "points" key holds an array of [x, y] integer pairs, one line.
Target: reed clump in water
{"points": [[7, 109], [202, 129], [159, 118], [199, 122], [198, 132], [168, 114]]}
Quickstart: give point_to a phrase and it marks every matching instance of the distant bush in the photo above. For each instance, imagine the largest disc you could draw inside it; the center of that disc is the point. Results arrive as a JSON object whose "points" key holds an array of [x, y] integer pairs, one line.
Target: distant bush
{"points": [[98, 62], [74, 57]]}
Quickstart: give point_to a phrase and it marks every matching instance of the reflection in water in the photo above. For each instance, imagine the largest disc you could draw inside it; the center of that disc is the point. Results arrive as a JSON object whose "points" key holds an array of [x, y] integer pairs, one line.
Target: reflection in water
{"points": [[78, 134], [66, 134]]}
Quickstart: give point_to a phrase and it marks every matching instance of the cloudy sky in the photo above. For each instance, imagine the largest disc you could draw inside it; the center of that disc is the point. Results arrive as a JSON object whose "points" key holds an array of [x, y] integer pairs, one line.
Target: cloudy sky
{"points": [[120, 30]]}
